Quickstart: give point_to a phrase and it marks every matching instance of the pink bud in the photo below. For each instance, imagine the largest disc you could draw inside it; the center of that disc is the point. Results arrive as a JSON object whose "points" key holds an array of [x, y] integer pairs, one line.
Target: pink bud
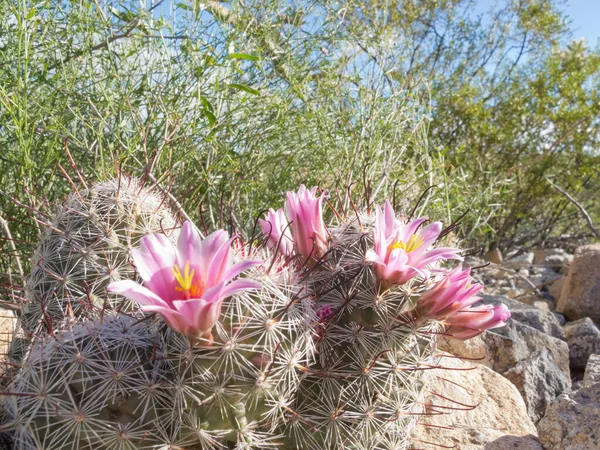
{"points": [[471, 322], [305, 211]]}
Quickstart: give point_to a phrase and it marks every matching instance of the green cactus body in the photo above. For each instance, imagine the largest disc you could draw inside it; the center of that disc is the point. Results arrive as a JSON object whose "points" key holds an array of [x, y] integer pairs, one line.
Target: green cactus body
{"points": [[86, 246], [363, 389], [129, 382]]}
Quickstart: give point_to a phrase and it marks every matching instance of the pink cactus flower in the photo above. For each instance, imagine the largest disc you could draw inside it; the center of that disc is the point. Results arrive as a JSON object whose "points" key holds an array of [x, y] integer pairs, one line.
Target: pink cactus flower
{"points": [[324, 312], [275, 226], [401, 251], [470, 322], [186, 285], [305, 211], [453, 293]]}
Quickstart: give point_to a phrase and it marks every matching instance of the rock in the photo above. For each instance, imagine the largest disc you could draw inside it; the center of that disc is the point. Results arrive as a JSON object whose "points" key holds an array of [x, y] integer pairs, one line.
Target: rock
{"points": [[494, 256], [564, 270], [572, 421], [580, 296], [553, 257], [543, 304], [522, 261], [499, 421], [543, 279], [592, 371], [8, 325], [539, 381], [474, 350], [561, 319], [544, 321], [509, 345], [583, 338], [557, 287]]}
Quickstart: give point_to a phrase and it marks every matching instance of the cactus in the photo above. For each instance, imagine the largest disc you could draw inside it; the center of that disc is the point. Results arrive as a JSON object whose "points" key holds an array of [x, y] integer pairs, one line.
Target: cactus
{"points": [[87, 245], [362, 391], [129, 382], [327, 355]]}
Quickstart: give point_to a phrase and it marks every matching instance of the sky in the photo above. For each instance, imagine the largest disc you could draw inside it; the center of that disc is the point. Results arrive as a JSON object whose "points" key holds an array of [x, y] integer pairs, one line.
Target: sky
{"points": [[585, 16]]}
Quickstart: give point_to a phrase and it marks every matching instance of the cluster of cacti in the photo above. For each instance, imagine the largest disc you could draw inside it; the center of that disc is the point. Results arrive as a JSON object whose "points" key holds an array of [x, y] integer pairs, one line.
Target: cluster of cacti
{"points": [[319, 344]]}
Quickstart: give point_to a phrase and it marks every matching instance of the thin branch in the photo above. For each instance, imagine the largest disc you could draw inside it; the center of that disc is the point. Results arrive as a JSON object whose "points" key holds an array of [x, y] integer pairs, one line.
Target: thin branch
{"points": [[588, 219]]}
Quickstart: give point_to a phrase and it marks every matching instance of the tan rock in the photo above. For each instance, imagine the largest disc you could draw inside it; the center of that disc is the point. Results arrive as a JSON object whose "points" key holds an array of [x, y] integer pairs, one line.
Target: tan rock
{"points": [[580, 297], [481, 410], [556, 288], [494, 256]]}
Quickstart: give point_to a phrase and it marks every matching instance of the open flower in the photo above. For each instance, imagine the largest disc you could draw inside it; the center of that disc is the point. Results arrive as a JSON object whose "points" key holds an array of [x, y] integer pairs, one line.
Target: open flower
{"points": [[275, 226], [186, 285], [305, 212], [402, 250], [470, 322], [453, 293]]}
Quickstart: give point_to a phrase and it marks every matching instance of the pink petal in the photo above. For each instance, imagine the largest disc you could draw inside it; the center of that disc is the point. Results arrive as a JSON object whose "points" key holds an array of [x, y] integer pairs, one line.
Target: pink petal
{"points": [[201, 315], [154, 262], [189, 245], [221, 261], [412, 227], [203, 260], [240, 267], [176, 321], [242, 284], [136, 292], [430, 233]]}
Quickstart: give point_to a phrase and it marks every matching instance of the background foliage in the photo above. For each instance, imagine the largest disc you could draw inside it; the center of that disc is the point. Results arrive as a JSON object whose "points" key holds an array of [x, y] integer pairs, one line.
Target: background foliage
{"points": [[229, 104]]}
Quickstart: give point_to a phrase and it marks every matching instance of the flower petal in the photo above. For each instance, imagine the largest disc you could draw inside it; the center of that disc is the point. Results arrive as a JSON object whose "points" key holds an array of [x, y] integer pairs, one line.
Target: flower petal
{"points": [[202, 315], [189, 245], [176, 321], [240, 267], [137, 293], [154, 262]]}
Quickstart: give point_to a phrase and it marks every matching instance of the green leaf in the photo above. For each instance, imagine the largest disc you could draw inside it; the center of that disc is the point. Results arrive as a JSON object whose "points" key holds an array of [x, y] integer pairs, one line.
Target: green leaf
{"points": [[245, 56], [209, 116], [184, 6], [243, 87], [207, 104], [31, 14]]}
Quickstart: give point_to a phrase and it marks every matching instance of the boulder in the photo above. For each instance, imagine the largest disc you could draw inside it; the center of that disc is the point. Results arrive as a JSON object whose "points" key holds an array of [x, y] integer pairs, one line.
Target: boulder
{"points": [[539, 380], [481, 410], [552, 257], [556, 288], [580, 297], [583, 337], [592, 371], [572, 421], [523, 260]]}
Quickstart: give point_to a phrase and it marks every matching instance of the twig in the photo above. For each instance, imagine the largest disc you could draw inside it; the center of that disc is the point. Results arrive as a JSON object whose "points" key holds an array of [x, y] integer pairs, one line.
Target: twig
{"points": [[588, 219]]}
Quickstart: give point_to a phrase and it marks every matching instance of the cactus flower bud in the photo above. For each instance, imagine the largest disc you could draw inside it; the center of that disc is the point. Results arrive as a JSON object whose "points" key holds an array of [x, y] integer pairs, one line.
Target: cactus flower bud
{"points": [[305, 212], [470, 322], [275, 227], [453, 293], [186, 285], [401, 251]]}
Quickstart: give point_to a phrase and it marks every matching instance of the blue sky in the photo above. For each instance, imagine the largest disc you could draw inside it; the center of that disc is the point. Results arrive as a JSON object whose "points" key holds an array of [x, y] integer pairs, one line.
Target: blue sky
{"points": [[585, 16]]}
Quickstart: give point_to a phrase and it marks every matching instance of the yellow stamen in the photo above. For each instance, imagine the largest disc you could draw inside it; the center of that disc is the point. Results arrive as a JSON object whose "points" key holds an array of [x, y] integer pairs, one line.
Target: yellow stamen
{"points": [[415, 241], [186, 282]]}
